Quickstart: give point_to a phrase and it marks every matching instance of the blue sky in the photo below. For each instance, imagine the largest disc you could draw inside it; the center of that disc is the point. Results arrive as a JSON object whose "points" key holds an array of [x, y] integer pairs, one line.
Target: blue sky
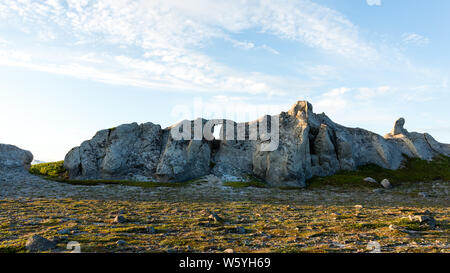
{"points": [[71, 68]]}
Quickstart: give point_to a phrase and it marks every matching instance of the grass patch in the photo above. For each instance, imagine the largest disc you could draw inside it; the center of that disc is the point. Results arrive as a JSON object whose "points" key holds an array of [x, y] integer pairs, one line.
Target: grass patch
{"points": [[242, 184], [56, 172], [250, 182], [121, 182], [411, 225], [413, 170], [367, 226], [52, 169]]}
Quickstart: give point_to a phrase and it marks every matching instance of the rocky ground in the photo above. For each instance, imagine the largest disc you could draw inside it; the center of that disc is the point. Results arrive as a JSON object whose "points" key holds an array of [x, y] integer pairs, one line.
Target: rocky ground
{"points": [[207, 216]]}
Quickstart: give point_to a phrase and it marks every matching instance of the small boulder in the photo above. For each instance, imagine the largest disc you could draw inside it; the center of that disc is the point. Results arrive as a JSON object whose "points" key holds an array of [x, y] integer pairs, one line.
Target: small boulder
{"points": [[423, 194], [64, 231], [370, 180], [151, 230], [429, 220], [121, 243], [379, 191], [38, 243], [119, 219], [386, 184], [240, 230], [229, 250], [216, 218]]}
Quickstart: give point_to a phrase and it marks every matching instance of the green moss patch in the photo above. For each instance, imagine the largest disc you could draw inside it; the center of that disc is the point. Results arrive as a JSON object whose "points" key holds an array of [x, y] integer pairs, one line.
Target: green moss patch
{"points": [[122, 182], [413, 170], [52, 169]]}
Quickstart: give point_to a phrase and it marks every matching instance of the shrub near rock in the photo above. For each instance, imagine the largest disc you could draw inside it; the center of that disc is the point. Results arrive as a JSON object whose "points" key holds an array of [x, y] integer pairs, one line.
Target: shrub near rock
{"points": [[51, 170]]}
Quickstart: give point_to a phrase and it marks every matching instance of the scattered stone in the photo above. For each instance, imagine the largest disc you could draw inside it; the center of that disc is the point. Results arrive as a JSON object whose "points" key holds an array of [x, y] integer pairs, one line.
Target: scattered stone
{"points": [[358, 206], [121, 243], [151, 230], [215, 217], [64, 231], [370, 180], [240, 230], [58, 239], [38, 243], [424, 194], [404, 230], [378, 191], [394, 227], [119, 219], [386, 184], [229, 250], [430, 221]]}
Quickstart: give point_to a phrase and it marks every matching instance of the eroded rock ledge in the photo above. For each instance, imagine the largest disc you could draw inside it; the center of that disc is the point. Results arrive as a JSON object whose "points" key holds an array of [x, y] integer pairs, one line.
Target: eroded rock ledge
{"points": [[309, 145]]}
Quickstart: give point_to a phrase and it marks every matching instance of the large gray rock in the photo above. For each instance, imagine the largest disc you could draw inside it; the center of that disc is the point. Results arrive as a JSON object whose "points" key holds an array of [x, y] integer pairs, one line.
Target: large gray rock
{"points": [[123, 152], [13, 157], [309, 145]]}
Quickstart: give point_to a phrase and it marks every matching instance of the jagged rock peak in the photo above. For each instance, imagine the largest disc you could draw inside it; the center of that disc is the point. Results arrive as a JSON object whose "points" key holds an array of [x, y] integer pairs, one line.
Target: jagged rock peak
{"points": [[302, 106], [398, 127]]}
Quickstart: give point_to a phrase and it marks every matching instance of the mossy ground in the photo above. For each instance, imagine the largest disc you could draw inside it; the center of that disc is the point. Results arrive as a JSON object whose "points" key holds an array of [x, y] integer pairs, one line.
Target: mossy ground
{"points": [[321, 218], [185, 227], [55, 171], [413, 170]]}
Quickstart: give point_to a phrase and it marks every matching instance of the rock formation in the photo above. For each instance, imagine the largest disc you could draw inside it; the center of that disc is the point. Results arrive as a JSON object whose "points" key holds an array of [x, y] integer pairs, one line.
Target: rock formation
{"points": [[12, 157], [309, 145]]}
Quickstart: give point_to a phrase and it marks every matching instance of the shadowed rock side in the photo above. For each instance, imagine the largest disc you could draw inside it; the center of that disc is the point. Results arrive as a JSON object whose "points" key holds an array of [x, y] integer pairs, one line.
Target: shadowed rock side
{"points": [[309, 145]]}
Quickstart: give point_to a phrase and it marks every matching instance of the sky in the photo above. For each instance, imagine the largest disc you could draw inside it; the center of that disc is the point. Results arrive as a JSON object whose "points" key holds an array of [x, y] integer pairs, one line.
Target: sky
{"points": [[70, 68]]}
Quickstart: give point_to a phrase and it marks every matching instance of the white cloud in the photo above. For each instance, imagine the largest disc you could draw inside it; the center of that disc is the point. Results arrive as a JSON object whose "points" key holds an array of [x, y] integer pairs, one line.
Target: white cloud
{"points": [[270, 49], [415, 39], [170, 34], [373, 2], [242, 44], [3, 42]]}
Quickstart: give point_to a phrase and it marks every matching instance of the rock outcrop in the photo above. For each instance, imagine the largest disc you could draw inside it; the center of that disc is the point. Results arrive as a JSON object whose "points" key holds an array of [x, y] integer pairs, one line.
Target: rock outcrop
{"points": [[308, 145], [12, 157]]}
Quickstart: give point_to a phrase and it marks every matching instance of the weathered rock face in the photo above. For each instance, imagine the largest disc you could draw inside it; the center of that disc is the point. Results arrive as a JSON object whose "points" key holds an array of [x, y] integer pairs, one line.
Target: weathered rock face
{"points": [[13, 157], [415, 144], [309, 145], [128, 151]]}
